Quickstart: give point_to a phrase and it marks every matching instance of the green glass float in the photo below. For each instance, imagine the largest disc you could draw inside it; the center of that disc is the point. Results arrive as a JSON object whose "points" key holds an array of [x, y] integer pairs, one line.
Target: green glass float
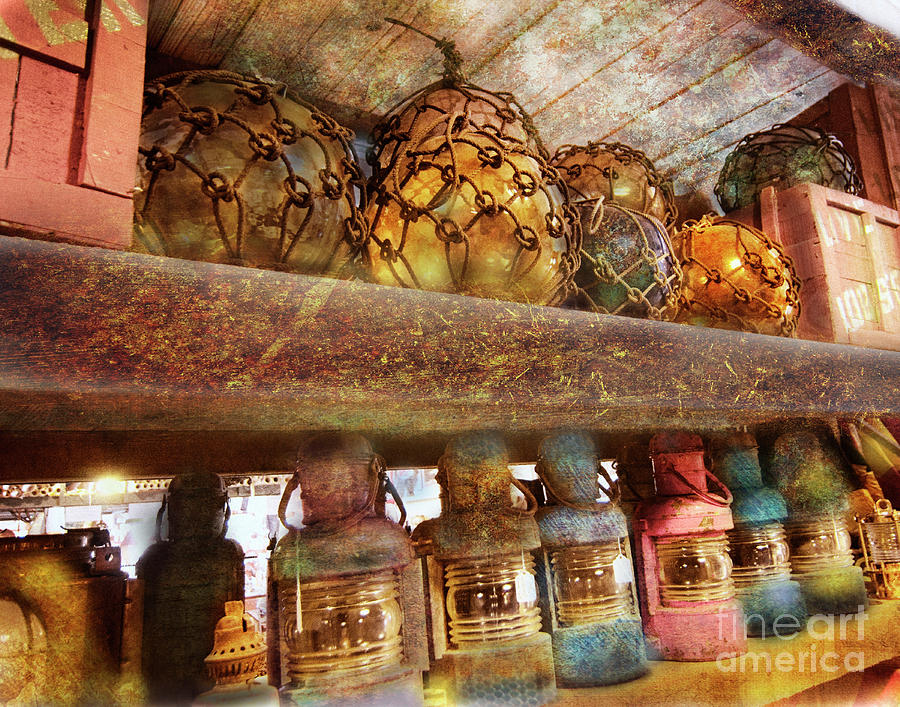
{"points": [[781, 157], [627, 266]]}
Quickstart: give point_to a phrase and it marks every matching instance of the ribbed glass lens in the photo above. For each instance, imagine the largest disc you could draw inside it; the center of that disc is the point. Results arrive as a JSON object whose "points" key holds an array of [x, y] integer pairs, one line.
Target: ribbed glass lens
{"points": [[585, 584], [819, 545], [693, 568], [759, 554], [348, 624], [492, 599], [882, 539]]}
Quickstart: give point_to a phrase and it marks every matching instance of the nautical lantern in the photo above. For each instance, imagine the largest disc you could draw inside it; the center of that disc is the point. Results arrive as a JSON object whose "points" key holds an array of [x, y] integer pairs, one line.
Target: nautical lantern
{"points": [[782, 156], [808, 471], [585, 572], [684, 570], [346, 596], [241, 171], [736, 277], [237, 659], [618, 174], [879, 535], [758, 546], [462, 199], [487, 644], [188, 577], [627, 263]]}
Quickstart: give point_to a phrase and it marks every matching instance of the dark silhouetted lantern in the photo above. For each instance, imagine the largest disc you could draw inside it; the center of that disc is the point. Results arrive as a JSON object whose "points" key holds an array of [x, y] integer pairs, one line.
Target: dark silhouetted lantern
{"points": [[736, 277], [782, 156], [236, 170], [462, 199], [188, 577]]}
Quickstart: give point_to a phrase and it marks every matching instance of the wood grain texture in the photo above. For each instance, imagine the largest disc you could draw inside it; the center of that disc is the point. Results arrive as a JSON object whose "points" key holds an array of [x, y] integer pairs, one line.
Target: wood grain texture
{"points": [[98, 340]]}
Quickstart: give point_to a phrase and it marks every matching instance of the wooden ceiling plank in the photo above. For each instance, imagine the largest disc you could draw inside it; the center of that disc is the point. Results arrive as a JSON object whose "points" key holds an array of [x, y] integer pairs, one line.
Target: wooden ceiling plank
{"points": [[778, 109], [159, 18], [681, 54], [565, 64], [202, 31], [314, 56], [751, 81]]}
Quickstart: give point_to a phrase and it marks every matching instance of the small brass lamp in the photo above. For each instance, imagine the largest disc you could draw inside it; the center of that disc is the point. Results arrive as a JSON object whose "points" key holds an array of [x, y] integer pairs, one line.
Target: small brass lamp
{"points": [[736, 277], [585, 571], [461, 197], [684, 569], [757, 544], [809, 471], [618, 173], [345, 594], [241, 171], [237, 659], [782, 156], [487, 646], [879, 535]]}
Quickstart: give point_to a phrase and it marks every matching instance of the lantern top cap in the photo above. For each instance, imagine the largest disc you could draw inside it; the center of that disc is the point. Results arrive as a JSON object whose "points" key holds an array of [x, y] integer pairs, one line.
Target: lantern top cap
{"points": [[197, 482], [476, 450], [731, 440], [333, 444], [675, 443]]}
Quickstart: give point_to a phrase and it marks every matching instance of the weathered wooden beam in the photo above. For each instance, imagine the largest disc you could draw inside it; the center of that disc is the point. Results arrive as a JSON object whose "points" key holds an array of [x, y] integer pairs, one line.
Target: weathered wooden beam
{"points": [[92, 339]]}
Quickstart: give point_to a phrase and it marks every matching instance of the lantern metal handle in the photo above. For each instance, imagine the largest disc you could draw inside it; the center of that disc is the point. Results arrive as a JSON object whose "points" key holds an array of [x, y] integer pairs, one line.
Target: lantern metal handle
{"points": [[379, 479], [614, 493], [724, 500]]}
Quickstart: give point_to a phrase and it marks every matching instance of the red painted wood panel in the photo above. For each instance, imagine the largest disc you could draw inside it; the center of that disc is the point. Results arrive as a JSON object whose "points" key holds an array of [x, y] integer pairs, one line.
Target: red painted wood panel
{"points": [[112, 114], [9, 70], [45, 122], [63, 212], [55, 28]]}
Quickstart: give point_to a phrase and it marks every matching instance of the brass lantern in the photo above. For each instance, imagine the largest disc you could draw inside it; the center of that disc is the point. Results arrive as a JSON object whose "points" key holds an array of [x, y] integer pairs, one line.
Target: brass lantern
{"points": [[620, 174], [736, 277], [782, 156], [462, 199], [240, 171]]}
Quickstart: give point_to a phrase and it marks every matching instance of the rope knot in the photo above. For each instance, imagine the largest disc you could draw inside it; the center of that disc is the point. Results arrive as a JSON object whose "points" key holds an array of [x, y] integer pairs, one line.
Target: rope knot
{"points": [[204, 118], [218, 187]]}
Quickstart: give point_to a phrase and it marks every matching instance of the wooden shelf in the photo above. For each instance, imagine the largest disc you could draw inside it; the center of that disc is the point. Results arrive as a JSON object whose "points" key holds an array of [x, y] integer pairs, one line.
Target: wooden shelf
{"points": [[859, 645], [101, 351]]}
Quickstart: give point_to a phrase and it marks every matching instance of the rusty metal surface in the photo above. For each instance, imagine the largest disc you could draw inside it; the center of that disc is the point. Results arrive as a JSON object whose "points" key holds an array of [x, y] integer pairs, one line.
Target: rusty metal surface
{"points": [[99, 340]]}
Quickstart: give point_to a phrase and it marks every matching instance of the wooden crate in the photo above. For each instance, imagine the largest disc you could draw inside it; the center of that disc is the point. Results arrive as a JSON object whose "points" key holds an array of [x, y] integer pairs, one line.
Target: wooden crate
{"points": [[867, 121], [847, 253], [71, 78]]}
